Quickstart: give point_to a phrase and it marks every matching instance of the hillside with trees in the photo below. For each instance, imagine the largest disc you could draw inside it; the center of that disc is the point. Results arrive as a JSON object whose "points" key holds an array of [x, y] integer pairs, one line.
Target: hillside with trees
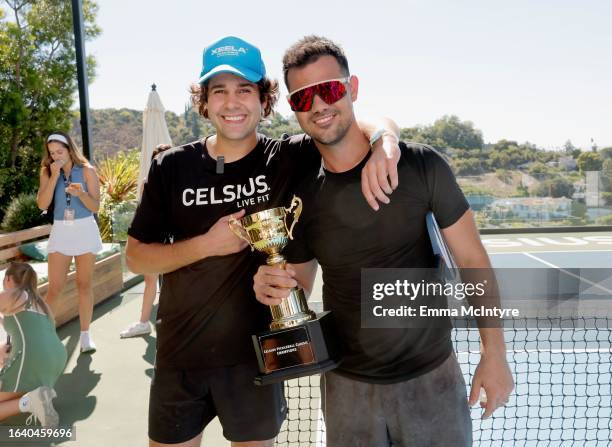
{"points": [[117, 130]]}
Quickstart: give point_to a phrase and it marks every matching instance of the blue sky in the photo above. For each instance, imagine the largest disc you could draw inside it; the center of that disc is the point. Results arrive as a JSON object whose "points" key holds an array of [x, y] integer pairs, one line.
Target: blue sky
{"points": [[538, 71]]}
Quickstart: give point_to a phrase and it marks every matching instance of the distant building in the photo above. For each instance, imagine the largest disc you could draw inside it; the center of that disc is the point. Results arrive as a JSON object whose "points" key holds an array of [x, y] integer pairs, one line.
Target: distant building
{"points": [[568, 163], [479, 201], [531, 208]]}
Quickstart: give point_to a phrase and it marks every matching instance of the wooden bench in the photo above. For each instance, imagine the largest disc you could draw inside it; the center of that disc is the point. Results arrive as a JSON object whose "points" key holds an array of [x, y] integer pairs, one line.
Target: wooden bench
{"points": [[107, 276]]}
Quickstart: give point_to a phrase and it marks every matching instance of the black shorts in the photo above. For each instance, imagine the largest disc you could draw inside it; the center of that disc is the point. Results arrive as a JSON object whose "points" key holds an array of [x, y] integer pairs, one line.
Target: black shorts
{"points": [[183, 402]]}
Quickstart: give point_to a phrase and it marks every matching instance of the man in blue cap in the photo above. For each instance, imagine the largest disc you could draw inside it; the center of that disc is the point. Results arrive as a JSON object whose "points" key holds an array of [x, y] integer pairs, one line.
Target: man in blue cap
{"points": [[205, 363]]}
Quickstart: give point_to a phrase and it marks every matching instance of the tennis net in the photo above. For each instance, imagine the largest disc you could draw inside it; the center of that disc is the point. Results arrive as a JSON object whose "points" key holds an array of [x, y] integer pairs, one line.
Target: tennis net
{"points": [[563, 396]]}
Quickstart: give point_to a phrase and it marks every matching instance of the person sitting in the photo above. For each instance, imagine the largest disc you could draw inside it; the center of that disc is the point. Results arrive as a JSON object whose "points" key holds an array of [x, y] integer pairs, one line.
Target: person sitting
{"points": [[35, 357]]}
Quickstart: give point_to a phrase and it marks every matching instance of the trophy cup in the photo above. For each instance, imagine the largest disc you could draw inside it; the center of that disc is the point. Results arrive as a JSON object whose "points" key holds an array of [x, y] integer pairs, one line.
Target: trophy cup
{"points": [[299, 342]]}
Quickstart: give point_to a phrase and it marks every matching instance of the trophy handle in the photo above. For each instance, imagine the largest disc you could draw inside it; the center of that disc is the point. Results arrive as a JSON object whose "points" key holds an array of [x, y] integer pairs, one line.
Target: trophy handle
{"points": [[236, 227], [297, 202]]}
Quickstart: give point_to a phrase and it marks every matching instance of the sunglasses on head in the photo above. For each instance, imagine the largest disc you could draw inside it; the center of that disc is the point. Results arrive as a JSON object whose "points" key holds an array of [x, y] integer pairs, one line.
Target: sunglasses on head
{"points": [[329, 91]]}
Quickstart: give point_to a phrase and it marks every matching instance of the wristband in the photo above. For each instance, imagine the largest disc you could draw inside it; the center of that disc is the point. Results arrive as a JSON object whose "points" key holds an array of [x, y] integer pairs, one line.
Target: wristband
{"points": [[376, 136]]}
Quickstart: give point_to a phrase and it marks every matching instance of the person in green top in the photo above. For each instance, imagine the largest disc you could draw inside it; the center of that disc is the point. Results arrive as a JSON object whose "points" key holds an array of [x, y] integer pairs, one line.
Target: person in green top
{"points": [[35, 357]]}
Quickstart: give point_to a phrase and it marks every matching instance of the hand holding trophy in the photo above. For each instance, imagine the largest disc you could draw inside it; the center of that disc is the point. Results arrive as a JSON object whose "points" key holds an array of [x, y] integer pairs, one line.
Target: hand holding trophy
{"points": [[299, 342]]}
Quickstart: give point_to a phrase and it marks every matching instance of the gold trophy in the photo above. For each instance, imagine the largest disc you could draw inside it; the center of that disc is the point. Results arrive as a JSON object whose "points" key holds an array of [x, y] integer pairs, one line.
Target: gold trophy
{"points": [[299, 342]]}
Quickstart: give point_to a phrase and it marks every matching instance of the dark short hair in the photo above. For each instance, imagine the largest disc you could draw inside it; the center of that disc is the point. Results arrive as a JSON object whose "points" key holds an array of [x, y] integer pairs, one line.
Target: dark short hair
{"points": [[268, 93], [159, 149], [308, 49]]}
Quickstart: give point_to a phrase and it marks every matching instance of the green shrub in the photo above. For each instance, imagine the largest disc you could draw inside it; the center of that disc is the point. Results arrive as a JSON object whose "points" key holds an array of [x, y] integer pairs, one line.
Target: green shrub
{"points": [[605, 220], [104, 217], [22, 178], [504, 175], [121, 218], [22, 213], [119, 176], [118, 183], [554, 187], [469, 189], [521, 191], [467, 166]]}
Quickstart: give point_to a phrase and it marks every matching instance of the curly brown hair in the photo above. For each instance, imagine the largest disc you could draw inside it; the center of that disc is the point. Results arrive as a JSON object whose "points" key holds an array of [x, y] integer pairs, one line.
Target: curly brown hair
{"points": [[268, 94], [308, 49]]}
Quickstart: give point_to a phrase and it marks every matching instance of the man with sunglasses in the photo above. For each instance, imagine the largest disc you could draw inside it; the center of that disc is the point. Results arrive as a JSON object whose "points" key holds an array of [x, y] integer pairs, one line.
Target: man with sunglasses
{"points": [[205, 362], [394, 386]]}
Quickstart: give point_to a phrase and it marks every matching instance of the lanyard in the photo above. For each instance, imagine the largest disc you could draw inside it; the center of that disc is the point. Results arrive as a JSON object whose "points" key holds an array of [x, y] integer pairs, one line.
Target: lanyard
{"points": [[67, 182]]}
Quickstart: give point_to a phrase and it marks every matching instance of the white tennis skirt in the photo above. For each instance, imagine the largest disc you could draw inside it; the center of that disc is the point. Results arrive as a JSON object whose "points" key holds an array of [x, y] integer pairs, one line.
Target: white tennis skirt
{"points": [[74, 238]]}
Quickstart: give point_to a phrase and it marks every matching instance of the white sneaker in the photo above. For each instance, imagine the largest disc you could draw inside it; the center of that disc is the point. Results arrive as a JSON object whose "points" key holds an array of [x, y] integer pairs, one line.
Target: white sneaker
{"points": [[136, 329], [87, 345], [41, 407]]}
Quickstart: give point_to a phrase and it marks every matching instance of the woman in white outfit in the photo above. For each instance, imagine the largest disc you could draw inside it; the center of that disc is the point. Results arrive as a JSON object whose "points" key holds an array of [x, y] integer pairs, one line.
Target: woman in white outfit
{"points": [[70, 183]]}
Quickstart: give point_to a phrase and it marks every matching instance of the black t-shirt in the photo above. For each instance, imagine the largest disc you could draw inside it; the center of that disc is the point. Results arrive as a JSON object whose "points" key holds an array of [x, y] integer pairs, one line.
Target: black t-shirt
{"points": [[207, 310], [344, 234]]}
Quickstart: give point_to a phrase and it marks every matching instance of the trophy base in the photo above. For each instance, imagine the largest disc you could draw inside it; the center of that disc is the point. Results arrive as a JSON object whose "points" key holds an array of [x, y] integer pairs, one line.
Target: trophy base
{"points": [[307, 349], [307, 370]]}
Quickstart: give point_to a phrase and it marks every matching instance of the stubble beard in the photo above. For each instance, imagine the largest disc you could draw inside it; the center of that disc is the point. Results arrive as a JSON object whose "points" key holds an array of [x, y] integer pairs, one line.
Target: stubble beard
{"points": [[334, 139]]}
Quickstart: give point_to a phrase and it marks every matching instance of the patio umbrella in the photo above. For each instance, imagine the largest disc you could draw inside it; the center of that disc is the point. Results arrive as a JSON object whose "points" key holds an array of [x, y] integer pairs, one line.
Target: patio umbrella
{"points": [[154, 132]]}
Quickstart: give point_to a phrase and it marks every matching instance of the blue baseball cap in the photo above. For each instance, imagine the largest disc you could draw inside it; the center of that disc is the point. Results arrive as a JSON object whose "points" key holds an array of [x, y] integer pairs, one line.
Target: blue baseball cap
{"points": [[232, 55]]}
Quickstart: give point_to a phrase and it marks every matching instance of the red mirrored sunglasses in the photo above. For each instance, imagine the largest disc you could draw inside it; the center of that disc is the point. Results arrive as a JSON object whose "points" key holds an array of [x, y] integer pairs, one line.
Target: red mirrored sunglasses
{"points": [[329, 91]]}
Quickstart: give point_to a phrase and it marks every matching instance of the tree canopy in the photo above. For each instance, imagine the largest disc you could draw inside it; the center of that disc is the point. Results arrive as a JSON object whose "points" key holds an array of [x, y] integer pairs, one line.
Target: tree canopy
{"points": [[589, 161], [37, 83]]}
